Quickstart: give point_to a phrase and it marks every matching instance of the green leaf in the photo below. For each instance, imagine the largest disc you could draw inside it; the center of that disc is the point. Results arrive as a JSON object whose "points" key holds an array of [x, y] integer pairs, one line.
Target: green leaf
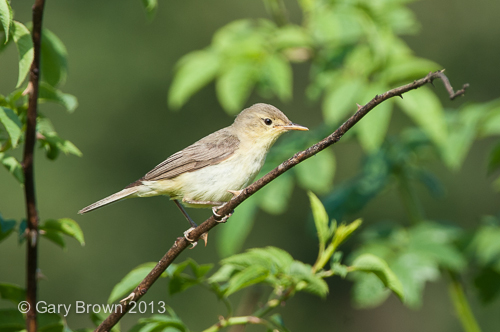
{"points": [[494, 159], [274, 197], [486, 242], [223, 274], [414, 270], [343, 232], [131, 280], [271, 258], [54, 59], [313, 284], [194, 71], [22, 38], [232, 236], [423, 107], [14, 167], [179, 281], [50, 322], [12, 292], [11, 320], [251, 275], [407, 68], [65, 226], [234, 85], [6, 17], [54, 236], [150, 6], [435, 241], [490, 124], [278, 73], [6, 228], [377, 266], [320, 219], [293, 36], [53, 144], [373, 127], [317, 172], [368, 291], [12, 124], [463, 128], [164, 323], [341, 99], [49, 93]]}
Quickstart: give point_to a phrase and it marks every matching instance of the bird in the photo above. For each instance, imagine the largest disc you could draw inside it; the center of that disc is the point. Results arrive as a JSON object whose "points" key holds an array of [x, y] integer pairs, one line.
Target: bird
{"points": [[211, 171]]}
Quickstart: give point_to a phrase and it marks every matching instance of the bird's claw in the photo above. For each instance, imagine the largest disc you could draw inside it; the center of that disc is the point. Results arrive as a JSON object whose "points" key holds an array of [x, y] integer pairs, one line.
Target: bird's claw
{"points": [[223, 219], [203, 236]]}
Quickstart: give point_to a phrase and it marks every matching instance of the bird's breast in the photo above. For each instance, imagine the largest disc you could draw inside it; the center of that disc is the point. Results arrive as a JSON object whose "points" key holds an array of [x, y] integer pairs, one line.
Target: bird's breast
{"points": [[212, 183]]}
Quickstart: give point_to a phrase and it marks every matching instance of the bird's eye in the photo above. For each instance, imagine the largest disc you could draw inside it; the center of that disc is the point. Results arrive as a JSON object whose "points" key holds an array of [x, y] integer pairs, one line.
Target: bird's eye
{"points": [[268, 121]]}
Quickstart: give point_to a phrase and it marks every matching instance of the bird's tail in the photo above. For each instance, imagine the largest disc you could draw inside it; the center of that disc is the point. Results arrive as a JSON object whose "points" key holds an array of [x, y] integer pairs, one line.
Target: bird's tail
{"points": [[110, 199]]}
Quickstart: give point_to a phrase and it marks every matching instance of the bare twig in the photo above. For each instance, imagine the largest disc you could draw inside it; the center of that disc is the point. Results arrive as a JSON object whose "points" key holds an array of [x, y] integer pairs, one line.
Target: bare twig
{"points": [[181, 243], [448, 86], [29, 181]]}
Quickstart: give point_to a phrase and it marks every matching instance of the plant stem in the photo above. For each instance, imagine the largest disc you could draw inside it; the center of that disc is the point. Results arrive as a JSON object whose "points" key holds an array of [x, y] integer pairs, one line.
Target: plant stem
{"points": [[462, 307], [244, 320], [29, 181], [271, 304]]}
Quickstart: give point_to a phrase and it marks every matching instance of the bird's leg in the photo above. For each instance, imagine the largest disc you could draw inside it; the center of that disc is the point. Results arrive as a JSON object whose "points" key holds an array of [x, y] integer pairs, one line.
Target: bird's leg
{"points": [[217, 206], [193, 224], [204, 236]]}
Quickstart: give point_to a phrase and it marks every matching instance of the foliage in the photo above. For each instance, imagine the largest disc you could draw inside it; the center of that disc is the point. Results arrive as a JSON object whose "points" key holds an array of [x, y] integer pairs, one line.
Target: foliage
{"points": [[347, 44], [268, 266], [13, 114], [354, 51]]}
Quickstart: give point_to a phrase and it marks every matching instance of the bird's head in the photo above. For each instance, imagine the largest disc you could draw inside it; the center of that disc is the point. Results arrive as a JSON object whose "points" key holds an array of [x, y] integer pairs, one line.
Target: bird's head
{"points": [[263, 123]]}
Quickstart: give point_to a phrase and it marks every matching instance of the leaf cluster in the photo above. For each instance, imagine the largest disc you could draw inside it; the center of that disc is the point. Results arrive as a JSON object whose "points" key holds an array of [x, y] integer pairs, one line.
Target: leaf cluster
{"points": [[13, 114], [13, 106], [270, 266]]}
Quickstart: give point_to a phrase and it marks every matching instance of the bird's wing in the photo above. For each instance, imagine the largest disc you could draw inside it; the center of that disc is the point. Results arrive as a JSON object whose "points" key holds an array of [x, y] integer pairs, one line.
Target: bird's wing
{"points": [[210, 150]]}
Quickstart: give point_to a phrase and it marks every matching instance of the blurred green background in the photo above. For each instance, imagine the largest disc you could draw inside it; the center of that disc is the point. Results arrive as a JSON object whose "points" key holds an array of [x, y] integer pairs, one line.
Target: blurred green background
{"points": [[120, 68]]}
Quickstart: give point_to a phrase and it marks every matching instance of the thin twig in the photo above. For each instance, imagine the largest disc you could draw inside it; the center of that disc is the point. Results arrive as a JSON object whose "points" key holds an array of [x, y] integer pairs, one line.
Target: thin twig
{"points": [[448, 86], [181, 243], [29, 181]]}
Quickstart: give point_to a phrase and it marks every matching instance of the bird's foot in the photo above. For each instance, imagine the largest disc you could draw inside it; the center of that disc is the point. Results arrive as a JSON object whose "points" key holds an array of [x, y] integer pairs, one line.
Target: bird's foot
{"points": [[223, 219], [203, 236]]}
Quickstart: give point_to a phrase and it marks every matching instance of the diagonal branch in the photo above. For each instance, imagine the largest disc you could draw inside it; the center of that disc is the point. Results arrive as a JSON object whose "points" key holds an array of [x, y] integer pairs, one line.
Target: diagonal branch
{"points": [[181, 243], [29, 180]]}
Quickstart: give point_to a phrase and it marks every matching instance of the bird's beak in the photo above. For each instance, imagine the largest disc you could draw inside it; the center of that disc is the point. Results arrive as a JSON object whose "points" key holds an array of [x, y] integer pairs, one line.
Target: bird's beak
{"points": [[294, 126]]}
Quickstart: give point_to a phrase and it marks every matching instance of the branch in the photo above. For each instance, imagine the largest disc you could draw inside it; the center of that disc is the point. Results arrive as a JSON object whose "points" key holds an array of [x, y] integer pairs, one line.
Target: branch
{"points": [[181, 243], [29, 181]]}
